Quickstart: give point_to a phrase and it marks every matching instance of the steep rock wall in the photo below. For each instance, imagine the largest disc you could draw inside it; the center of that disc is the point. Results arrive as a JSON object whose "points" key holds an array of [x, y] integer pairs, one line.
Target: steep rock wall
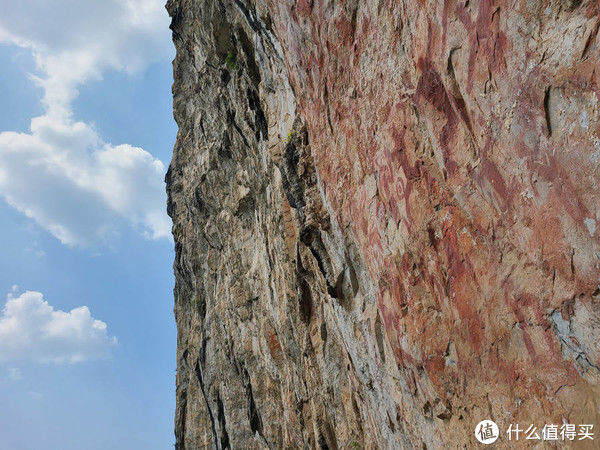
{"points": [[386, 219]]}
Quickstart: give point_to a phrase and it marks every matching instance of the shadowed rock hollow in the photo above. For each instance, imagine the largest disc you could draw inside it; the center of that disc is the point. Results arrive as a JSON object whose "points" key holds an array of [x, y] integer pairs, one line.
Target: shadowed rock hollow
{"points": [[386, 220]]}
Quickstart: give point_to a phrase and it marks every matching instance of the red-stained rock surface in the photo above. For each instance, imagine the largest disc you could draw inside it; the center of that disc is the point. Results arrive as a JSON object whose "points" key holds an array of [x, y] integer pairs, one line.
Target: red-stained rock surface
{"points": [[456, 147], [460, 142]]}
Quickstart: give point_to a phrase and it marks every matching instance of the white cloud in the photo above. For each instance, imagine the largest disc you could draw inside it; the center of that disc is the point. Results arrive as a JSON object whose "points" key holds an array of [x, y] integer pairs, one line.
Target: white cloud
{"points": [[33, 331], [79, 188], [74, 41], [62, 173]]}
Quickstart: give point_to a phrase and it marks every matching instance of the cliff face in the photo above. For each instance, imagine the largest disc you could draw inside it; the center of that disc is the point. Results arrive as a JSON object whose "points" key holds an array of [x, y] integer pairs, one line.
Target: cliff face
{"points": [[386, 219]]}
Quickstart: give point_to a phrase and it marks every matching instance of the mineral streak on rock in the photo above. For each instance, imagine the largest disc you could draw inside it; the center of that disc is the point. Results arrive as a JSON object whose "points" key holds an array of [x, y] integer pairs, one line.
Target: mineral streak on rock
{"points": [[384, 215]]}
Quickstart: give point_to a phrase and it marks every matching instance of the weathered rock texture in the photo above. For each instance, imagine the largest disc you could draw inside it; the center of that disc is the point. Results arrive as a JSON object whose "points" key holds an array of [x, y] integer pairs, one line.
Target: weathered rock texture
{"points": [[386, 219]]}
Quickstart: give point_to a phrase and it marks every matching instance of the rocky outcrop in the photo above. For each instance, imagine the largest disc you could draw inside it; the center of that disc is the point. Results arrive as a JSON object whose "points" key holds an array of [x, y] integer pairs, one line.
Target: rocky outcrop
{"points": [[386, 219]]}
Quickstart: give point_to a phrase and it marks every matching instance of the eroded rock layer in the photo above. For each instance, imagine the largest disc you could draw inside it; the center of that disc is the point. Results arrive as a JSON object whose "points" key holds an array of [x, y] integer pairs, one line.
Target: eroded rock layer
{"points": [[386, 220]]}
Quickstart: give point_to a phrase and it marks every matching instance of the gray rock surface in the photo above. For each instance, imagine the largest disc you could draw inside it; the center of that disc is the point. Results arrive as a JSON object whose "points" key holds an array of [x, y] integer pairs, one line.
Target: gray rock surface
{"points": [[277, 343]]}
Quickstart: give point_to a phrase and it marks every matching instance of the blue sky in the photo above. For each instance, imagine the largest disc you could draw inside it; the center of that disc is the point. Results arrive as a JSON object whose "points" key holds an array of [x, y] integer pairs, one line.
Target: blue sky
{"points": [[87, 334]]}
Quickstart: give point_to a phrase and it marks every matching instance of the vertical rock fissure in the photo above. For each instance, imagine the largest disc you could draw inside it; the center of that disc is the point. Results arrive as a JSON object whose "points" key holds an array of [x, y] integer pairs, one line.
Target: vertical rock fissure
{"points": [[224, 436], [198, 373], [253, 414]]}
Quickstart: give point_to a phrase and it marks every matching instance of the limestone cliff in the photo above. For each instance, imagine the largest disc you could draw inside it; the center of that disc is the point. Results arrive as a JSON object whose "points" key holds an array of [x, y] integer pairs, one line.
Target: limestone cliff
{"points": [[386, 219]]}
